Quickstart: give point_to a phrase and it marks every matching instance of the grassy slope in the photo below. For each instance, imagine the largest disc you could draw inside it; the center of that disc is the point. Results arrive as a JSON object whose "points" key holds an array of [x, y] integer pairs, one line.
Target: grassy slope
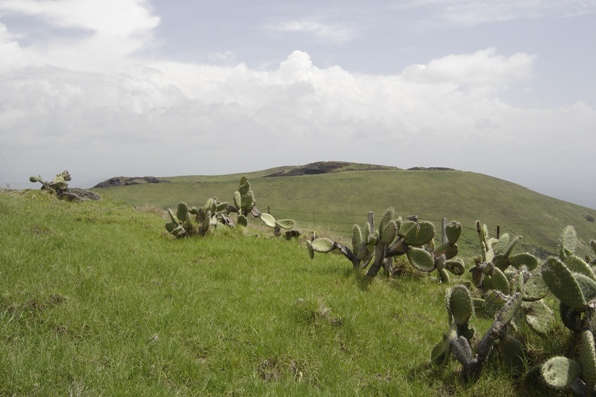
{"points": [[97, 300], [336, 201]]}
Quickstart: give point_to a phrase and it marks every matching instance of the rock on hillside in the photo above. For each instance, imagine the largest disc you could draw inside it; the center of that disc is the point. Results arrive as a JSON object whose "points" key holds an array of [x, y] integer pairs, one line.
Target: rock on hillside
{"points": [[430, 169], [126, 181], [323, 167]]}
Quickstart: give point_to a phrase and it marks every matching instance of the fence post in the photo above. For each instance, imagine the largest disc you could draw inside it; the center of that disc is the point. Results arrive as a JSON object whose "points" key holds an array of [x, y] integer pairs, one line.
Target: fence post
{"points": [[444, 231]]}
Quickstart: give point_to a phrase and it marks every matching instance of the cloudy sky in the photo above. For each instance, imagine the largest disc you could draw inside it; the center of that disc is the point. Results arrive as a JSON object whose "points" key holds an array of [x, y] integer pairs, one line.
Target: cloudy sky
{"points": [[169, 87]]}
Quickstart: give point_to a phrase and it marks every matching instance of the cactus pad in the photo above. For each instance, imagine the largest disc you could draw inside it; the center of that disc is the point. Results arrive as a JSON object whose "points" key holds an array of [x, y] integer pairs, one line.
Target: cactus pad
{"points": [[182, 212], [563, 285], [244, 187], [242, 221], [356, 238], [421, 259], [444, 276], [459, 304], [453, 231], [587, 286], [388, 233], [501, 244], [285, 223], [538, 316], [501, 262], [417, 234], [577, 265], [237, 199], [385, 219], [524, 259], [587, 359], [448, 249], [267, 219], [456, 266], [497, 280], [560, 372], [535, 288], [440, 352], [323, 244], [568, 241]]}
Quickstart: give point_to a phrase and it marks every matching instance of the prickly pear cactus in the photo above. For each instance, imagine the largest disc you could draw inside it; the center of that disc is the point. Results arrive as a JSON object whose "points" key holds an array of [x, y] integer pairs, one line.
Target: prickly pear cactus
{"points": [[245, 204], [496, 258], [377, 246], [560, 372], [181, 224], [58, 185], [460, 307]]}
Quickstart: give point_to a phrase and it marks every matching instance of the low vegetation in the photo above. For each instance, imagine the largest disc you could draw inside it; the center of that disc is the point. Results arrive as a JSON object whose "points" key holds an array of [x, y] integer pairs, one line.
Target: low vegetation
{"points": [[98, 299], [336, 201]]}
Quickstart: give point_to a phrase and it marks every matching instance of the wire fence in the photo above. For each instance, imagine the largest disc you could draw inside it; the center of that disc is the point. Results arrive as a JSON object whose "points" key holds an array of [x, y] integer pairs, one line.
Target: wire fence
{"points": [[341, 223]]}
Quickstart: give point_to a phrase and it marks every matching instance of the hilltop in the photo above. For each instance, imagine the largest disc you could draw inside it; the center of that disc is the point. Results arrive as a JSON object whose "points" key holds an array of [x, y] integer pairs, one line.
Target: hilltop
{"points": [[333, 196]]}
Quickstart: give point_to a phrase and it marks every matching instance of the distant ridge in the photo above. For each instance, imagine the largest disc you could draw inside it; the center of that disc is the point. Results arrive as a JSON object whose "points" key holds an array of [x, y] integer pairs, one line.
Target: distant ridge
{"points": [[335, 195], [318, 167]]}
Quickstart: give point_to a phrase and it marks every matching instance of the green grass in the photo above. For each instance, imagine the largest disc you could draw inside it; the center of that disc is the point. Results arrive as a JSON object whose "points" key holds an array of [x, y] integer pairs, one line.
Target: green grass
{"points": [[335, 201], [96, 299]]}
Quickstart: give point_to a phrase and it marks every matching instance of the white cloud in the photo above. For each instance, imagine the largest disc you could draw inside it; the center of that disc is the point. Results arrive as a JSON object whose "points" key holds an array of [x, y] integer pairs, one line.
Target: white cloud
{"points": [[114, 30], [225, 57], [325, 31], [320, 113], [484, 68], [90, 105], [474, 12], [110, 18]]}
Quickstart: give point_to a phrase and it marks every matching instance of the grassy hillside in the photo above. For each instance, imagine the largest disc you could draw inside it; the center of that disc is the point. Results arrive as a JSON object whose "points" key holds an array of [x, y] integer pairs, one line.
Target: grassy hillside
{"points": [[97, 300], [335, 201]]}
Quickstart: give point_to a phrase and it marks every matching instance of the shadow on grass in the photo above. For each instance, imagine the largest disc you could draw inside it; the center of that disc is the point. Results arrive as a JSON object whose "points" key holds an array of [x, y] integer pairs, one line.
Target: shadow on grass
{"points": [[448, 381], [362, 279]]}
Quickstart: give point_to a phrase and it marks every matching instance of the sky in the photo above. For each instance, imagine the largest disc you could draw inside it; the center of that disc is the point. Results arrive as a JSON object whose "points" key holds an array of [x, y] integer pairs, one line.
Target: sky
{"points": [[107, 88]]}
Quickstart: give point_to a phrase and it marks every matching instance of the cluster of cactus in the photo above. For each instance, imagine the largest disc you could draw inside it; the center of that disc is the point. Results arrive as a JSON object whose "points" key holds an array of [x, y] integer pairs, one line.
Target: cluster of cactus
{"points": [[580, 374], [215, 212], [377, 247], [512, 290], [498, 275], [458, 341], [58, 185], [245, 204], [489, 269], [572, 280]]}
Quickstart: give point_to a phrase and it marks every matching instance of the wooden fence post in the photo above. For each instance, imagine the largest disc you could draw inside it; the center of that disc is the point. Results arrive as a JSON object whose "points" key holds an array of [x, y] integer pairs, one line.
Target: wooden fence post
{"points": [[444, 231]]}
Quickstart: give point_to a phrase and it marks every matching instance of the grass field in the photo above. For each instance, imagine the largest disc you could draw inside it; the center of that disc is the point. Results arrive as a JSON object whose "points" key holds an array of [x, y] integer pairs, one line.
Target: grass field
{"points": [[96, 299], [336, 201]]}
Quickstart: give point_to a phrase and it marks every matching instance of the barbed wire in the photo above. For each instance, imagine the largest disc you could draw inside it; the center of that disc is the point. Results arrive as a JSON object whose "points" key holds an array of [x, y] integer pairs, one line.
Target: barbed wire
{"points": [[313, 218]]}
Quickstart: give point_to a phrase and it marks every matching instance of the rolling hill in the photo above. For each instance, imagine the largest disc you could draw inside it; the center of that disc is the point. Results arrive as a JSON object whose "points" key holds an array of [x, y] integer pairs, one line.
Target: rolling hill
{"points": [[331, 196]]}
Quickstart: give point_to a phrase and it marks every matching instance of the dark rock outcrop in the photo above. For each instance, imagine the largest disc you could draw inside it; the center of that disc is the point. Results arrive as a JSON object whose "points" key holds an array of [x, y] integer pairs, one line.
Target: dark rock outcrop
{"points": [[430, 169], [324, 167], [78, 194], [126, 181]]}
